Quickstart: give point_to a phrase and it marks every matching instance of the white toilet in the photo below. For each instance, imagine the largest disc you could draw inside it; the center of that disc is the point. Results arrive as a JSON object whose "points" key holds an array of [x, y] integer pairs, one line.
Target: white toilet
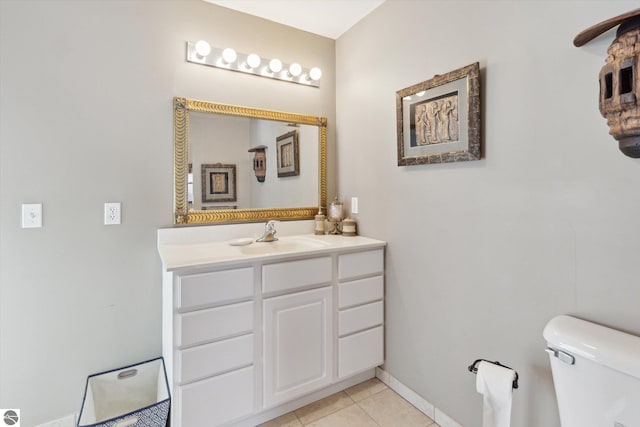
{"points": [[596, 372]]}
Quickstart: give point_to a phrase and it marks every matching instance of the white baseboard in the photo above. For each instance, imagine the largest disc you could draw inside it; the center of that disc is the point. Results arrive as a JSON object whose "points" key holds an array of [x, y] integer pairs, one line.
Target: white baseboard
{"points": [[68, 421], [416, 400]]}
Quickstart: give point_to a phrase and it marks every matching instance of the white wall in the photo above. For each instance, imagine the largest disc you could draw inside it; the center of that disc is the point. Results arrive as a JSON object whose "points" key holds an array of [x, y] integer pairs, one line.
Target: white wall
{"points": [[482, 254], [86, 117]]}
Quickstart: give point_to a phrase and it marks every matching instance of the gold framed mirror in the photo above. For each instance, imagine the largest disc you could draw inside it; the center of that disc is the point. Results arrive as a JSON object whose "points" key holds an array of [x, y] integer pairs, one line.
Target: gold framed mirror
{"points": [[278, 197]]}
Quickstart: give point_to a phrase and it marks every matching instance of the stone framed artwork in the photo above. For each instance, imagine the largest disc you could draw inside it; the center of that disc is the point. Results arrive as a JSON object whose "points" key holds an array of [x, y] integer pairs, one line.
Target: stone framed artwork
{"points": [[288, 155], [438, 120], [218, 183]]}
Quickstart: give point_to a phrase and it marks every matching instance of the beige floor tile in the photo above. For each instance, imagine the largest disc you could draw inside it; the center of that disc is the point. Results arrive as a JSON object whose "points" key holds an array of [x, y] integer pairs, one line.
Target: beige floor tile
{"points": [[351, 416], [322, 408], [388, 409], [368, 388], [286, 420]]}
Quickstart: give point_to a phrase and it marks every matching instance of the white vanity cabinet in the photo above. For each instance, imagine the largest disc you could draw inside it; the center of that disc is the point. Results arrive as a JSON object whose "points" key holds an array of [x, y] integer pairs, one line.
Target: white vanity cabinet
{"points": [[251, 338], [209, 345], [298, 329], [360, 311]]}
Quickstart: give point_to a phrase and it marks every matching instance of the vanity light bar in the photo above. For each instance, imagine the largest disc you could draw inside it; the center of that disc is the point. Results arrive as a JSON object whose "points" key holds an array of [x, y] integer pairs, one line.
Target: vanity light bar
{"points": [[201, 52]]}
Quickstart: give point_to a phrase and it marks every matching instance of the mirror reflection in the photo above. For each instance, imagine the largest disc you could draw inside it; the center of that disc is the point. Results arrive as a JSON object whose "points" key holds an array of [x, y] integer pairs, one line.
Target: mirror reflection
{"points": [[287, 170], [239, 164]]}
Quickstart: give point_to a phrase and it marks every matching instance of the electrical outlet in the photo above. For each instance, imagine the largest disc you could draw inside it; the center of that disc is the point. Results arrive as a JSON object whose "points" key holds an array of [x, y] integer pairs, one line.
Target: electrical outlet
{"points": [[111, 213], [31, 215]]}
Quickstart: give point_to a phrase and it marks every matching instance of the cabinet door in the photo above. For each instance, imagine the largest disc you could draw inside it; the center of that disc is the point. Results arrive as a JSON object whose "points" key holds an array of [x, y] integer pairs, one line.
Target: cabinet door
{"points": [[297, 344]]}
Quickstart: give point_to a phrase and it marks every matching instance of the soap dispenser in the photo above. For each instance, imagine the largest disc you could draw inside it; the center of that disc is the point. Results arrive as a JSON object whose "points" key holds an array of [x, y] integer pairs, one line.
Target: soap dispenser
{"points": [[319, 219]]}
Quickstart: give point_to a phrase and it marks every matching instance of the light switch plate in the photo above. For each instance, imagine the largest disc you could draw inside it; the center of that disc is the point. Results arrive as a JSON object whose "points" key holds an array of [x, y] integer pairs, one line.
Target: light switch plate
{"points": [[354, 205], [31, 215]]}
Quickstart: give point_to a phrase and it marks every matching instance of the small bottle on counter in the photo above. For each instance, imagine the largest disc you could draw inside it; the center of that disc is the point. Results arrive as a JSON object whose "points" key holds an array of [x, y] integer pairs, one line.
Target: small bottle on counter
{"points": [[319, 219]]}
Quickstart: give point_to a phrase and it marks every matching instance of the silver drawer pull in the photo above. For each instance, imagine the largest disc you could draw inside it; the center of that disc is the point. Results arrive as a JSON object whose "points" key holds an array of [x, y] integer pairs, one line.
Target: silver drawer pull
{"points": [[562, 355]]}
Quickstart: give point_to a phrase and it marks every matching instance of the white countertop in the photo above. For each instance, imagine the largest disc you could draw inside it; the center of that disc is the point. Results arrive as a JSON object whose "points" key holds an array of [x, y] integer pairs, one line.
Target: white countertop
{"points": [[177, 255]]}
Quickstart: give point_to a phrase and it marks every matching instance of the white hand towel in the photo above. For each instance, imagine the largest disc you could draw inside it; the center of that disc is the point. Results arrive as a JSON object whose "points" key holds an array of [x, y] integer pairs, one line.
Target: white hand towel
{"points": [[496, 384]]}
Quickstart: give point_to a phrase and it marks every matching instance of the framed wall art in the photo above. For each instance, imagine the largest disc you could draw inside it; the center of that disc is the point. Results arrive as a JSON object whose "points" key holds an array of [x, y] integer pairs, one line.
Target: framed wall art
{"points": [[438, 120], [218, 183], [288, 157]]}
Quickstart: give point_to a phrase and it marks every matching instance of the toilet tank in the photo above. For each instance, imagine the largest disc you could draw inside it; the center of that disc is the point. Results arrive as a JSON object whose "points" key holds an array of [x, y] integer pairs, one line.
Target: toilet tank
{"points": [[596, 373]]}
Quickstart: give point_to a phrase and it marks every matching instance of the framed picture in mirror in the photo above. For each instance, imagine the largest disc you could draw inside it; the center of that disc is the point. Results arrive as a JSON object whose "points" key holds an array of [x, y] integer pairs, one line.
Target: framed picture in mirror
{"points": [[438, 120], [218, 183], [288, 155]]}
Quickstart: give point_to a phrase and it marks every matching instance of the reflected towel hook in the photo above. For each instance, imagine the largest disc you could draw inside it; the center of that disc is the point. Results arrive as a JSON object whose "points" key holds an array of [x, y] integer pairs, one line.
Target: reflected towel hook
{"points": [[474, 369]]}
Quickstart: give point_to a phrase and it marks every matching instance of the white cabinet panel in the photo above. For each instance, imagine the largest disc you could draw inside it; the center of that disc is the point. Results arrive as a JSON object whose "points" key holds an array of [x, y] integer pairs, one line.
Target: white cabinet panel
{"points": [[217, 400], [207, 325], [296, 274], [359, 352], [214, 288], [211, 359], [359, 318], [360, 264], [360, 291], [297, 344]]}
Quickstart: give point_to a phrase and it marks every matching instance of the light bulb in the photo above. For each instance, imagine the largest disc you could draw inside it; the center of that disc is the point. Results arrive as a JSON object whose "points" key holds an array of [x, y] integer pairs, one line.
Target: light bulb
{"points": [[229, 55], [203, 49], [315, 74], [253, 60], [275, 65], [295, 69]]}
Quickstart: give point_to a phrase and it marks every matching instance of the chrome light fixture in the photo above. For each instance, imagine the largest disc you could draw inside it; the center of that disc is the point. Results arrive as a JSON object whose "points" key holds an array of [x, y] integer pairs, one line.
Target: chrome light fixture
{"points": [[201, 52]]}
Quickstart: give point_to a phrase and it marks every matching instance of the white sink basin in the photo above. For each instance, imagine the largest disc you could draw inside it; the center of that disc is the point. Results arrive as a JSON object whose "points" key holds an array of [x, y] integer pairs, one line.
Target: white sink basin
{"points": [[285, 244]]}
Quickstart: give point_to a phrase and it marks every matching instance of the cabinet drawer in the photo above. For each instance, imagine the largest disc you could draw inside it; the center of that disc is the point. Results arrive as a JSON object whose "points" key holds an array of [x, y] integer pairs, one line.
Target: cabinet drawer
{"points": [[217, 400], [360, 291], [207, 325], [360, 352], [296, 274], [360, 264], [359, 318], [211, 359], [214, 288]]}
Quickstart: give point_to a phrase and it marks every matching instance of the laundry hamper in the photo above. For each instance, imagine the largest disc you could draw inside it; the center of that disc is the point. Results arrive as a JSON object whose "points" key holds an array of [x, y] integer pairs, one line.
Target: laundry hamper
{"points": [[136, 395]]}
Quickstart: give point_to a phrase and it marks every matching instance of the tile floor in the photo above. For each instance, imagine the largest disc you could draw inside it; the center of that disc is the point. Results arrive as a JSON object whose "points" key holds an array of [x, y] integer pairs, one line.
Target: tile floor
{"points": [[368, 404]]}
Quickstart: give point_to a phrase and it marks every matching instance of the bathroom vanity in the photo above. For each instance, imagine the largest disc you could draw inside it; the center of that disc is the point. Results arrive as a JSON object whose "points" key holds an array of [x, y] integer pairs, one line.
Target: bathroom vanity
{"points": [[252, 332]]}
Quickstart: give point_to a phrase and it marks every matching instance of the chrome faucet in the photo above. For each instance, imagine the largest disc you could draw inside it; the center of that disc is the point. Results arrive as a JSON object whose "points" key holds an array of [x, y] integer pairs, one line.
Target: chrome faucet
{"points": [[269, 232]]}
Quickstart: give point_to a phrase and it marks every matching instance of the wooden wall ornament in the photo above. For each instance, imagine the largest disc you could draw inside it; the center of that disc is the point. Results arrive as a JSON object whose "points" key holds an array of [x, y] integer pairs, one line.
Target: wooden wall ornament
{"points": [[259, 162], [619, 99]]}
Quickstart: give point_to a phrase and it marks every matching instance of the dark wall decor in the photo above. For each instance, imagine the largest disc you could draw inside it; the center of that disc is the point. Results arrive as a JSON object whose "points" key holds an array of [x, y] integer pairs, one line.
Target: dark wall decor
{"points": [[218, 183], [288, 155], [438, 120], [619, 88], [259, 162]]}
